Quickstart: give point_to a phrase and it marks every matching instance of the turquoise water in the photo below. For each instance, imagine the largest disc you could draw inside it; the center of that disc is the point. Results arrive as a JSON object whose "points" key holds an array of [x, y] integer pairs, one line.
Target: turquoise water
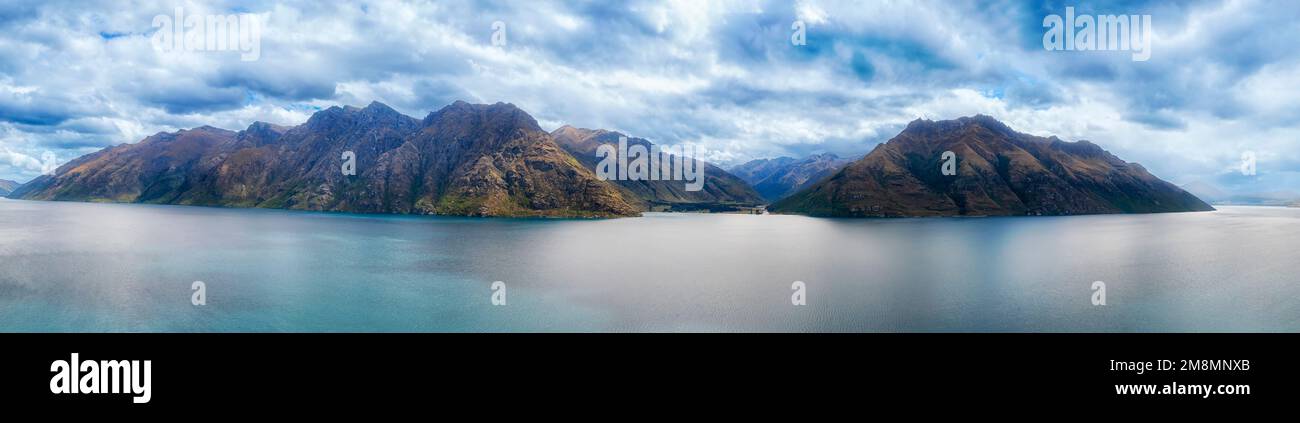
{"points": [[75, 267]]}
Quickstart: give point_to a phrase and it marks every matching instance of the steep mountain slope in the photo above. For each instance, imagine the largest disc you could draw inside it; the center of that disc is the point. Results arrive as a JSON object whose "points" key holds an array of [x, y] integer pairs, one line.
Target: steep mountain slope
{"points": [[481, 160], [157, 169], [7, 186], [777, 178], [998, 172], [720, 187]]}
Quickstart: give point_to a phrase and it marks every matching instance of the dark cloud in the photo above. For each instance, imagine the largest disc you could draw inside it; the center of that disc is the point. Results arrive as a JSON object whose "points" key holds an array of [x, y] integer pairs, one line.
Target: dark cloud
{"points": [[434, 94], [37, 108], [191, 98], [292, 84], [1159, 119]]}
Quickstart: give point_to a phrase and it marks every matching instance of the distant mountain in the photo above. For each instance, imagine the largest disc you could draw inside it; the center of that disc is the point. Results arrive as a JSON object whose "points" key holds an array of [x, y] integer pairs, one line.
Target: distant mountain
{"points": [[1266, 198], [7, 186], [1205, 191], [777, 178], [466, 159], [755, 171], [1214, 195], [998, 172], [720, 187]]}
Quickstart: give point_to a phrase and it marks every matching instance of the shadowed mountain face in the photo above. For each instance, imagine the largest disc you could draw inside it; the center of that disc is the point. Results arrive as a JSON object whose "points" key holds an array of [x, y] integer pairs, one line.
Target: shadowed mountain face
{"points": [[720, 187], [998, 172], [777, 178], [479, 160], [7, 186]]}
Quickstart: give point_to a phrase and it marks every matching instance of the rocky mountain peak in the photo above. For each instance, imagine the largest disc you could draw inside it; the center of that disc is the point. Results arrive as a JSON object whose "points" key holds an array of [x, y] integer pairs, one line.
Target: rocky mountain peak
{"points": [[376, 108], [375, 114], [926, 126], [264, 127], [823, 157], [499, 117]]}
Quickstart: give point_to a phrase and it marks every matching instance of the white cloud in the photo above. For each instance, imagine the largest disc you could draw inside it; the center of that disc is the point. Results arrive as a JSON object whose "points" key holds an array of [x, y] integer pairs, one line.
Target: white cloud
{"points": [[722, 74], [23, 162]]}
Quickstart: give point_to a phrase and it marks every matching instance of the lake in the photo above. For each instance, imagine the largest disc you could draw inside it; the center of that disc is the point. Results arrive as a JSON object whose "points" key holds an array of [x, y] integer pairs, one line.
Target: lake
{"points": [[80, 267]]}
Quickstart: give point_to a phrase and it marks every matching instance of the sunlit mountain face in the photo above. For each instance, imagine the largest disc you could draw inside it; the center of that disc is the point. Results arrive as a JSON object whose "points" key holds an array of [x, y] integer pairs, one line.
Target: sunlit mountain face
{"points": [[1207, 103], [1001, 172]]}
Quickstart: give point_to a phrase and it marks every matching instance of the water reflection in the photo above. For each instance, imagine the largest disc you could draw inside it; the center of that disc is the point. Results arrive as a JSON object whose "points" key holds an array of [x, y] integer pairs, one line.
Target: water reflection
{"points": [[106, 267]]}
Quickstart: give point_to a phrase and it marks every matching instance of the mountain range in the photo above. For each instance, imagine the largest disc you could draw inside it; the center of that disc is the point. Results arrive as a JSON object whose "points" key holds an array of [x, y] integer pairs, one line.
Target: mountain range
{"points": [[494, 160], [465, 159], [1214, 195], [720, 187], [777, 178], [997, 172], [7, 186]]}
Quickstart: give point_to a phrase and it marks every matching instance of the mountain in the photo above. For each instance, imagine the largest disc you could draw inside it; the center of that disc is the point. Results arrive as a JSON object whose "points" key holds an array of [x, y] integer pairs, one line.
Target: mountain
{"points": [[7, 186], [1214, 195], [466, 159], [998, 172], [755, 171], [721, 189], [1260, 198], [1205, 191], [777, 178]]}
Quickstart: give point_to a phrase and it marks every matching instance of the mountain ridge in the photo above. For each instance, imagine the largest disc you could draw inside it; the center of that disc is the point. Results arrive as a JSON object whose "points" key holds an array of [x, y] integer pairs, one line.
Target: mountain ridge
{"points": [[999, 172], [495, 160], [780, 177], [721, 189], [8, 186], [473, 160]]}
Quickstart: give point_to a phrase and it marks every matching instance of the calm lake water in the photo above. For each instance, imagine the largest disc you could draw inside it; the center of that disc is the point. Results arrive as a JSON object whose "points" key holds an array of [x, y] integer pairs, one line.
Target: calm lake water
{"points": [[128, 268]]}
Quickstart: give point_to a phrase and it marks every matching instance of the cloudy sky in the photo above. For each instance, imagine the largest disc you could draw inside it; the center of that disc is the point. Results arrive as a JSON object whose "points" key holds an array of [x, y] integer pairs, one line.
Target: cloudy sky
{"points": [[1221, 80]]}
